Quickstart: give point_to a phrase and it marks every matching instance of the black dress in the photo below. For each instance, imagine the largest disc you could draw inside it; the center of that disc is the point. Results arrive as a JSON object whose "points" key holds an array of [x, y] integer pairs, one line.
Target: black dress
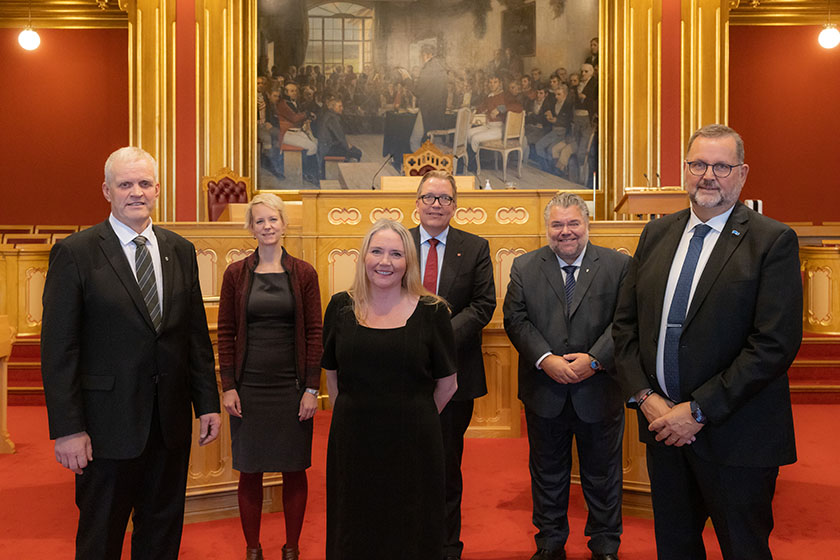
{"points": [[385, 477], [269, 437]]}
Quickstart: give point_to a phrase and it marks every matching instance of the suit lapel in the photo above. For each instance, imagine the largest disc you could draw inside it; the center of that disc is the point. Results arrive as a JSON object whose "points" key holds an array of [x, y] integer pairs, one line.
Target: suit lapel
{"points": [[111, 247], [167, 265], [551, 269], [451, 261], [669, 244], [733, 233], [588, 269]]}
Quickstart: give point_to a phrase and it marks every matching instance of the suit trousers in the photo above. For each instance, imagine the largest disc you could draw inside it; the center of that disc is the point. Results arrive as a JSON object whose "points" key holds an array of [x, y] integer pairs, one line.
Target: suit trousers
{"points": [[550, 461], [454, 421], [686, 490], [153, 485]]}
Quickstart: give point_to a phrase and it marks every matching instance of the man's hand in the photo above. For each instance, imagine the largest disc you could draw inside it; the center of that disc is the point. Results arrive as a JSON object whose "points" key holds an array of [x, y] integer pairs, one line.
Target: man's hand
{"points": [[676, 427], [230, 400], [559, 369], [74, 451], [580, 364], [209, 426], [308, 406], [655, 406]]}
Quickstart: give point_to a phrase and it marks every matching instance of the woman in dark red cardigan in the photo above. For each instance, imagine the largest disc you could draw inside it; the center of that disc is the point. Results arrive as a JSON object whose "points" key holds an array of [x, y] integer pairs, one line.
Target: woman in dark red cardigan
{"points": [[269, 358]]}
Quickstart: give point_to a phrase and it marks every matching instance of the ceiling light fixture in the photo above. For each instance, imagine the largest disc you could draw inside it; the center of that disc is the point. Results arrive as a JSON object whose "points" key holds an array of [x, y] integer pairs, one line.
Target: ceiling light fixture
{"points": [[829, 36], [29, 38]]}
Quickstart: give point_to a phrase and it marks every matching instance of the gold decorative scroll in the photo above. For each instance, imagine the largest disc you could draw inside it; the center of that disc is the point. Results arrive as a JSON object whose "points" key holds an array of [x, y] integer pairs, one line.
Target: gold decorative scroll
{"points": [[476, 215], [394, 214], [344, 216], [512, 215]]}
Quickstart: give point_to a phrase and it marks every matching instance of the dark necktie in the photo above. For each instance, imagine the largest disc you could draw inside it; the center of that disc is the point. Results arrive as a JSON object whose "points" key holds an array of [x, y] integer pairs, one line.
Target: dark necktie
{"points": [[146, 280], [431, 273], [676, 315], [570, 286]]}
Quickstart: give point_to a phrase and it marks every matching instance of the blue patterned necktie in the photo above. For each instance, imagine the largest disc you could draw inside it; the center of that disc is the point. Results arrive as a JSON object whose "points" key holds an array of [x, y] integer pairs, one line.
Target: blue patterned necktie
{"points": [[146, 280], [676, 315], [570, 286]]}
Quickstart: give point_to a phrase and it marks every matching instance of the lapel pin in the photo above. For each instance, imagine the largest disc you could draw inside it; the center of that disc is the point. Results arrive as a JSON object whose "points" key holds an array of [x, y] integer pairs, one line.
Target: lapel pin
{"points": [[459, 254], [166, 259], [587, 270], [736, 232]]}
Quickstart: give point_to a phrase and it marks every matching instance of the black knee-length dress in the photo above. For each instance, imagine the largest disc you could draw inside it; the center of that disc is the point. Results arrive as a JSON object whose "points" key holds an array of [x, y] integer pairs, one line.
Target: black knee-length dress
{"points": [[269, 437], [385, 476]]}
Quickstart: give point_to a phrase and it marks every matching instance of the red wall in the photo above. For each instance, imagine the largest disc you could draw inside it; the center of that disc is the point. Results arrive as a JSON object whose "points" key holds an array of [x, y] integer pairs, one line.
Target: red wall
{"points": [[63, 109], [784, 100]]}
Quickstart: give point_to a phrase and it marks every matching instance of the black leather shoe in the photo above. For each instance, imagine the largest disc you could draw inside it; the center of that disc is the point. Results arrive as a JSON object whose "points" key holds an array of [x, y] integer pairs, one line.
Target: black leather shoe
{"points": [[545, 554], [608, 556], [450, 557]]}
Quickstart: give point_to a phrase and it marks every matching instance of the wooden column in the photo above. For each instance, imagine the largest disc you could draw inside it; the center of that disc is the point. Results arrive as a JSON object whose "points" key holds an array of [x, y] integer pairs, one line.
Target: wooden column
{"points": [[6, 334]]}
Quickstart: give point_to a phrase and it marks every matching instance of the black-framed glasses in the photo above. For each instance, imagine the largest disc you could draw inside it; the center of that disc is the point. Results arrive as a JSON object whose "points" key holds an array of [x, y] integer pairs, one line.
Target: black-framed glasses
{"points": [[429, 199], [720, 170]]}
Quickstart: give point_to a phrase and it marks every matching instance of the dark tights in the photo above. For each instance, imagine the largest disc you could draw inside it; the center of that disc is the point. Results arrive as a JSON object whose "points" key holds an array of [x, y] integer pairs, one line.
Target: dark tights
{"points": [[295, 490]]}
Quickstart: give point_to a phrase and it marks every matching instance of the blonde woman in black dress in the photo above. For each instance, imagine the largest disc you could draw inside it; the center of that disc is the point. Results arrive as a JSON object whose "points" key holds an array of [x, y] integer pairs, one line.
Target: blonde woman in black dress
{"points": [[389, 353]]}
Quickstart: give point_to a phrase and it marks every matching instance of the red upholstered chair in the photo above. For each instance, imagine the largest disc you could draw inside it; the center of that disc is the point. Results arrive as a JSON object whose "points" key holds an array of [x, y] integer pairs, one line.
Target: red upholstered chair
{"points": [[427, 158], [222, 189]]}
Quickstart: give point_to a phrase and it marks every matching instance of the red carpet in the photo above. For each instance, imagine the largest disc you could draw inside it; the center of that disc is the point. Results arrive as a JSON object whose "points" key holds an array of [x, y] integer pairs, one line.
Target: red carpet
{"points": [[38, 517]]}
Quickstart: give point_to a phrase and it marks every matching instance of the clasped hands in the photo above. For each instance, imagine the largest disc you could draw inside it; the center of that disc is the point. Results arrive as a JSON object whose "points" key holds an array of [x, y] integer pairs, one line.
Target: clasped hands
{"points": [[568, 368], [673, 423]]}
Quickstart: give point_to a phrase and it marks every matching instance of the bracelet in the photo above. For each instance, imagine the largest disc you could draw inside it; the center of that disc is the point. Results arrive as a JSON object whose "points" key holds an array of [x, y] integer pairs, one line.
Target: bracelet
{"points": [[311, 391], [644, 398]]}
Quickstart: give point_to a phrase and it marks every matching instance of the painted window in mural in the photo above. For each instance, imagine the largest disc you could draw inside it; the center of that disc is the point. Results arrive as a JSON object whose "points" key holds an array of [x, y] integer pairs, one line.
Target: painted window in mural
{"points": [[346, 89]]}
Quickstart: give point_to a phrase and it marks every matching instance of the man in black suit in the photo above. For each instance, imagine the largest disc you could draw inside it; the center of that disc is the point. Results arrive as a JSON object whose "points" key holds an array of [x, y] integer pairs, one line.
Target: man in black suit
{"points": [[558, 314], [329, 131], [708, 322], [464, 278], [125, 353]]}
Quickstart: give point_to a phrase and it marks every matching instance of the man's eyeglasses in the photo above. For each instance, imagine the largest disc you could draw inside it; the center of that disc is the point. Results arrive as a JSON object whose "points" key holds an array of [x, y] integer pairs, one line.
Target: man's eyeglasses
{"points": [[720, 170], [429, 199]]}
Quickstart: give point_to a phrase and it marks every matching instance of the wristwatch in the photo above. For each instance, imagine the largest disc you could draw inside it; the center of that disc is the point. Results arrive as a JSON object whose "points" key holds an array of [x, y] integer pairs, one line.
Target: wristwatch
{"points": [[311, 391], [696, 413], [595, 364]]}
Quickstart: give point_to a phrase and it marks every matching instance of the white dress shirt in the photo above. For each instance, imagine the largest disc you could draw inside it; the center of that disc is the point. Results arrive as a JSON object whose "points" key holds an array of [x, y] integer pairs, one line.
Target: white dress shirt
{"points": [[126, 236], [717, 223]]}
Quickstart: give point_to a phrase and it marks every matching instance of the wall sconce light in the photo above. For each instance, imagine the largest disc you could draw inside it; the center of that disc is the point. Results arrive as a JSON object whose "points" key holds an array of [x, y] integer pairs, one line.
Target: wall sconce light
{"points": [[829, 36], [29, 38]]}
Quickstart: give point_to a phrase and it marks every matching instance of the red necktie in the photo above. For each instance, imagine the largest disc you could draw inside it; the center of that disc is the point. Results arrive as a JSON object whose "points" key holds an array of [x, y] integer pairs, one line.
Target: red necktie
{"points": [[431, 273]]}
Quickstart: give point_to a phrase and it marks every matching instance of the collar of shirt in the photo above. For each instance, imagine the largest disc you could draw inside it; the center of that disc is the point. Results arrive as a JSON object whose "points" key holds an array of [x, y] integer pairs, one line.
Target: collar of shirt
{"points": [[424, 236], [126, 235], [715, 223], [576, 264]]}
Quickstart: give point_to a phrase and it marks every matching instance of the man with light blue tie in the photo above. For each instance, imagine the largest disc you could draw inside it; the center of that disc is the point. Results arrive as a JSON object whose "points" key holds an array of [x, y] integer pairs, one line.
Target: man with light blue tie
{"points": [[708, 322], [558, 314], [455, 265]]}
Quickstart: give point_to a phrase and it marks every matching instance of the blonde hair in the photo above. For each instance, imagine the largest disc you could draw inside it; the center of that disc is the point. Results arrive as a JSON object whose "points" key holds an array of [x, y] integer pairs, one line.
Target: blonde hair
{"points": [[411, 283], [272, 201]]}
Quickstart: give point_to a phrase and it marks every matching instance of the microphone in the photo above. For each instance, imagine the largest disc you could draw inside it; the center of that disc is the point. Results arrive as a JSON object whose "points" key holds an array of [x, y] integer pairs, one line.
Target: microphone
{"points": [[646, 178], [381, 167]]}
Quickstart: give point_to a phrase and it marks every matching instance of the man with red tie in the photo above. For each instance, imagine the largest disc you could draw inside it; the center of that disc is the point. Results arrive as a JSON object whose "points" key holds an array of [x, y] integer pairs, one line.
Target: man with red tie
{"points": [[455, 265]]}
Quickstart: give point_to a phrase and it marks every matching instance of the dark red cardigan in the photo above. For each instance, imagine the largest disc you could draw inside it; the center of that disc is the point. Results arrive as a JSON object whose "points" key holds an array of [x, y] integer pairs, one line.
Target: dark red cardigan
{"points": [[233, 327]]}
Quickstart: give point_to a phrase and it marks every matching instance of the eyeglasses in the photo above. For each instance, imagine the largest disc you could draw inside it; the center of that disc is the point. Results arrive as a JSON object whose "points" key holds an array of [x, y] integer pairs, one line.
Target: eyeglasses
{"points": [[720, 170], [429, 199]]}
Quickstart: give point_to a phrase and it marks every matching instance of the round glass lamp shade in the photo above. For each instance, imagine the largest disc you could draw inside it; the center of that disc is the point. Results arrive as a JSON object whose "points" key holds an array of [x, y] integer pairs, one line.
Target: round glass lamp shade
{"points": [[29, 39], [829, 37]]}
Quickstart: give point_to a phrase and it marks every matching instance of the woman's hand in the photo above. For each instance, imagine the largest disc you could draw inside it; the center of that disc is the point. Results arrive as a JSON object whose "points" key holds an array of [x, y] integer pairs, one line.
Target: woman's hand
{"points": [[231, 401], [308, 406]]}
